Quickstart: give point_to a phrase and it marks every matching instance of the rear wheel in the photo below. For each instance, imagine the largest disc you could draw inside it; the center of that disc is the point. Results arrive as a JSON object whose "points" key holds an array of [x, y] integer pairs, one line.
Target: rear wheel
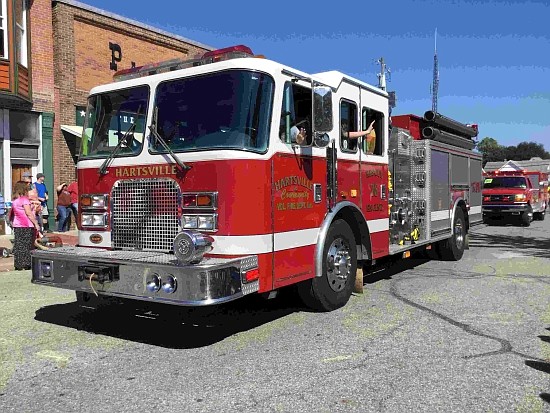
{"points": [[333, 288], [452, 249]]}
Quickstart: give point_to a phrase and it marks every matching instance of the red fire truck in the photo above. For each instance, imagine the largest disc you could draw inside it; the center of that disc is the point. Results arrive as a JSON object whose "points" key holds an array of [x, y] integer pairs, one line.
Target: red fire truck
{"points": [[195, 190], [522, 194]]}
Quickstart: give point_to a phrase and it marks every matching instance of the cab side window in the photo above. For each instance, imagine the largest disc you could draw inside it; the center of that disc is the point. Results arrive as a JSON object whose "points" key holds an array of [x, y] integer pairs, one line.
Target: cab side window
{"points": [[373, 143], [295, 113], [348, 123]]}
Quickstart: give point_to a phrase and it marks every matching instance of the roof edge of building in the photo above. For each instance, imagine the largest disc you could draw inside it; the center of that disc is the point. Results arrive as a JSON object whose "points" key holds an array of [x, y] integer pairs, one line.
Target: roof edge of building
{"points": [[105, 13]]}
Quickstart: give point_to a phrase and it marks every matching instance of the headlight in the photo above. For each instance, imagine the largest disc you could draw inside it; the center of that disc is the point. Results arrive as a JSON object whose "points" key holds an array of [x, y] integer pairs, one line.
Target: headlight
{"points": [[206, 222], [92, 220], [520, 197], [93, 201], [203, 222], [189, 222]]}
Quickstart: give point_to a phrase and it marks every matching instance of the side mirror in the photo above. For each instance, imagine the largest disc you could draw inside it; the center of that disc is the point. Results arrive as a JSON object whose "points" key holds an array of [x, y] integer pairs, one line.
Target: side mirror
{"points": [[321, 140], [322, 109]]}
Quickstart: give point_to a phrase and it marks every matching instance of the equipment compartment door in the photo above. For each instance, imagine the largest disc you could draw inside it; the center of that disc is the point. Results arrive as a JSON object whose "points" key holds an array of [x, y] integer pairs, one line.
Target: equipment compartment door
{"points": [[441, 203]]}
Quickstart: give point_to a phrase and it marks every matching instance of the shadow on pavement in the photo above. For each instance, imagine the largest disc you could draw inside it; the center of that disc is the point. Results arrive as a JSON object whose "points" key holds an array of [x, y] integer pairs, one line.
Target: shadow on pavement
{"points": [[532, 246], [388, 267], [171, 326], [541, 366]]}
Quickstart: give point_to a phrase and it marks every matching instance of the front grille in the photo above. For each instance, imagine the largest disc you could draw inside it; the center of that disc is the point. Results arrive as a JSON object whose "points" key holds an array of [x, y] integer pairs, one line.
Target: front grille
{"points": [[502, 198], [144, 214]]}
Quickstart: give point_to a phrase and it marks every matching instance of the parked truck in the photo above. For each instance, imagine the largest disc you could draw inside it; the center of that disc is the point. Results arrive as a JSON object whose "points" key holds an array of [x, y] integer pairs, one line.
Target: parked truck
{"points": [[195, 190], [520, 195]]}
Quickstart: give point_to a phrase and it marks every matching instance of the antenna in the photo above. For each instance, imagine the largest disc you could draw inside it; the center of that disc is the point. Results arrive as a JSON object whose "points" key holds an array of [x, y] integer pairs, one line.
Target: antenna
{"points": [[382, 75], [435, 84]]}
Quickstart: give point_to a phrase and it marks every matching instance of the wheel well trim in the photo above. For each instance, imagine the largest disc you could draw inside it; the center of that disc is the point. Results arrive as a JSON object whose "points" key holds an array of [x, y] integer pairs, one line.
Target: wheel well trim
{"points": [[462, 204], [360, 231]]}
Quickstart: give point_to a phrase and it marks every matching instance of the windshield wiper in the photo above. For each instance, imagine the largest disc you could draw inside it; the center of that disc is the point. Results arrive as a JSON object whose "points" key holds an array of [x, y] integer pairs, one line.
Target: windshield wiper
{"points": [[153, 129], [107, 162]]}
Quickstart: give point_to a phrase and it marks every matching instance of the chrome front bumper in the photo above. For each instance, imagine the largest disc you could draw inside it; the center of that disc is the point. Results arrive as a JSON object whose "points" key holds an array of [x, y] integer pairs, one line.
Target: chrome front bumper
{"points": [[125, 274]]}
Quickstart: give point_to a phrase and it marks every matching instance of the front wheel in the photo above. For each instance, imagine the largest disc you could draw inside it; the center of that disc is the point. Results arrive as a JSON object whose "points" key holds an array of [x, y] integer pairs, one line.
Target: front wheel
{"points": [[333, 288], [527, 217], [452, 249]]}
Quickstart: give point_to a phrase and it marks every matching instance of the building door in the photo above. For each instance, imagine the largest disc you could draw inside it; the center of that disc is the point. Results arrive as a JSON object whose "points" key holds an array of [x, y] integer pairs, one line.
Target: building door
{"points": [[17, 171]]}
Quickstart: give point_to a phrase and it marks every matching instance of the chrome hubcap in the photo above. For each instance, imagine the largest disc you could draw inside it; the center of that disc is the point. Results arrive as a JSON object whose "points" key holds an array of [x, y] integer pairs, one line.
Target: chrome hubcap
{"points": [[459, 234], [338, 264]]}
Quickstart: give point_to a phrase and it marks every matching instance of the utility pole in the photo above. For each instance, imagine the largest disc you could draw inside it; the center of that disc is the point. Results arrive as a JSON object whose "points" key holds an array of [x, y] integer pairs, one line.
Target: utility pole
{"points": [[435, 84], [392, 98], [382, 74]]}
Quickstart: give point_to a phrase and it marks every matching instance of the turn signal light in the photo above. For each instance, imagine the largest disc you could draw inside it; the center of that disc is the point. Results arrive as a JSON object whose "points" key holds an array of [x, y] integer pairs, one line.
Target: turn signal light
{"points": [[199, 200], [252, 275], [204, 200]]}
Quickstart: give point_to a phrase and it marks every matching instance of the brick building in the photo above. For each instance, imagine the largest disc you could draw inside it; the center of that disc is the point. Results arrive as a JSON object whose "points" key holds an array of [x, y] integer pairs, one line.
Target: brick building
{"points": [[26, 91], [57, 52]]}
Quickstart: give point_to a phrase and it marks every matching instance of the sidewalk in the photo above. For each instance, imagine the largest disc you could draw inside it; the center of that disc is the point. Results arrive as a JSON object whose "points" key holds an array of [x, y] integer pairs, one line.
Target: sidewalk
{"points": [[6, 264]]}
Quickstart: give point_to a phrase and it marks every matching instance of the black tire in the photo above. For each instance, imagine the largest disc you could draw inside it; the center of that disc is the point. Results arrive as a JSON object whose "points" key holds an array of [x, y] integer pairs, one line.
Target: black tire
{"points": [[333, 289], [542, 215], [527, 217], [452, 249]]}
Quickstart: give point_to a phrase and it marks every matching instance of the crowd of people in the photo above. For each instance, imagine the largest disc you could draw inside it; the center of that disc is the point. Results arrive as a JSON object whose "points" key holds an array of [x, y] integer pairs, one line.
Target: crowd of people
{"points": [[29, 214]]}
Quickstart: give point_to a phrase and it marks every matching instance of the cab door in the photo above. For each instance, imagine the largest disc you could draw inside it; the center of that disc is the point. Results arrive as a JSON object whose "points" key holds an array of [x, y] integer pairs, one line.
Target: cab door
{"points": [[298, 188], [348, 147]]}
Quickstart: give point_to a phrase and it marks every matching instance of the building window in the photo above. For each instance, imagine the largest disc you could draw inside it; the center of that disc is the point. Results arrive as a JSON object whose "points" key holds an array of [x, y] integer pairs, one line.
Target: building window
{"points": [[24, 127], [3, 30], [21, 31]]}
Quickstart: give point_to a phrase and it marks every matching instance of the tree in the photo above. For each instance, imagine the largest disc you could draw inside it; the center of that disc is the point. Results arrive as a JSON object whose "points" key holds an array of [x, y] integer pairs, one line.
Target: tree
{"points": [[527, 150], [493, 152]]}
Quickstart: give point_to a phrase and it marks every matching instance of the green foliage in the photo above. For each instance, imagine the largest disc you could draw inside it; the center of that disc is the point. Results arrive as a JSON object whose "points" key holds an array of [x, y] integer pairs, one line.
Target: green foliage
{"points": [[493, 152]]}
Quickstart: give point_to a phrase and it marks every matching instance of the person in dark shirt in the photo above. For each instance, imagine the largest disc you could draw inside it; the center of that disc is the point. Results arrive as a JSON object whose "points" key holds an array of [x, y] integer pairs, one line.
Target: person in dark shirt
{"points": [[63, 206], [73, 190]]}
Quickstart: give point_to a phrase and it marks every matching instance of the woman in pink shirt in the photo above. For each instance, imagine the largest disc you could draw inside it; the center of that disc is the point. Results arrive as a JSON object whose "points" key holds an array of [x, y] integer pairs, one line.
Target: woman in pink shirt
{"points": [[24, 226]]}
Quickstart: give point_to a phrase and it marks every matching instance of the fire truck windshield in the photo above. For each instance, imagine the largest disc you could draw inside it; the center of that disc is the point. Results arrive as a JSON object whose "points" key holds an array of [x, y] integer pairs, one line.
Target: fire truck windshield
{"points": [[115, 123], [505, 182], [222, 110]]}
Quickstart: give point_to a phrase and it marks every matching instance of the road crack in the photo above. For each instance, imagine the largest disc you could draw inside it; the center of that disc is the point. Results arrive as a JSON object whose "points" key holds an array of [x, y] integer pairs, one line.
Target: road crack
{"points": [[505, 345]]}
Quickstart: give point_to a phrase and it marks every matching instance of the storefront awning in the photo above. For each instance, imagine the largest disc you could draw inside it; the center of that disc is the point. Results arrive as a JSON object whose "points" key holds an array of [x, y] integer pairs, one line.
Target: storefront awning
{"points": [[72, 129]]}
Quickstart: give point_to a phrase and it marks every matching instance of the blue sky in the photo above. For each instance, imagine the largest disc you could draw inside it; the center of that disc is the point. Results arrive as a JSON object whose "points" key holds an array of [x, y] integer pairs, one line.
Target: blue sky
{"points": [[494, 56]]}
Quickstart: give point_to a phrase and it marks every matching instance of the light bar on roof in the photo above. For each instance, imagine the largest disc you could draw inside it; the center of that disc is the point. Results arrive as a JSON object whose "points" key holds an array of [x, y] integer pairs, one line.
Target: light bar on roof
{"points": [[213, 56], [227, 53]]}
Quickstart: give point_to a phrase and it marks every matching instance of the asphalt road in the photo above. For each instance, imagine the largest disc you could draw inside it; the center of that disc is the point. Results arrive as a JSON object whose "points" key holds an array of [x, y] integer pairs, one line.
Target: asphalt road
{"points": [[426, 336]]}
